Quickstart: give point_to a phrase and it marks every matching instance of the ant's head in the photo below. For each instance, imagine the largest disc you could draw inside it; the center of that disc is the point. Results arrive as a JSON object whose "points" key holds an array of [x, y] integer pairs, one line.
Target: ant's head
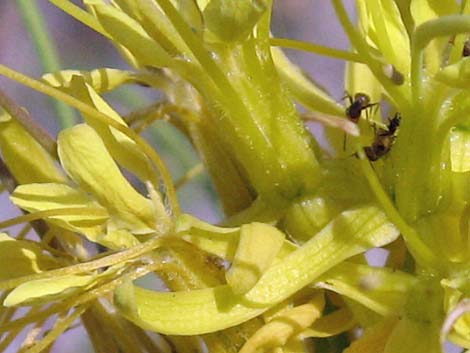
{"points": [[394, 122], [362, 98]]}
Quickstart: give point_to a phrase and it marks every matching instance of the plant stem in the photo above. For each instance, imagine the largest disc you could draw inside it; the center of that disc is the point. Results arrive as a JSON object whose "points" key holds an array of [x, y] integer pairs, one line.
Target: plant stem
{"points": [[47, 53], [32, 127], [316, 49], [360, 44], [424, 256]]}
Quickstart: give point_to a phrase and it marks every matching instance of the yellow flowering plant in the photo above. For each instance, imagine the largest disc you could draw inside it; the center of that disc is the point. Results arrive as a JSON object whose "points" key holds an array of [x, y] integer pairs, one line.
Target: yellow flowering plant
{"points": [[285, 271]]}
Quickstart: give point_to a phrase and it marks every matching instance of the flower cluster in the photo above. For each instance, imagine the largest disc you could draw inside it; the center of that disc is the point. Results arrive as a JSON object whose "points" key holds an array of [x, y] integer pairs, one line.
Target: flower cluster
{"points": [[286, 270]]}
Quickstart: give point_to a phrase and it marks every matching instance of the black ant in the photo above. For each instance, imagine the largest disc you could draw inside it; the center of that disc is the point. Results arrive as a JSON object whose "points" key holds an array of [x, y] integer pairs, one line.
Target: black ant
{"points": [[384, 139], [360, 102]]}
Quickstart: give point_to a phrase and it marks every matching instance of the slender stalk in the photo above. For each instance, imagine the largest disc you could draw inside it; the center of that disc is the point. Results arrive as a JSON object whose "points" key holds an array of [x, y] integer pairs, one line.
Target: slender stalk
{"points": [[189, 175], [33, 128], [67, 211], [59, 327], [316, 49], [421, 252], [86, 297], [110, 260], [360, 44], [47, 53]]}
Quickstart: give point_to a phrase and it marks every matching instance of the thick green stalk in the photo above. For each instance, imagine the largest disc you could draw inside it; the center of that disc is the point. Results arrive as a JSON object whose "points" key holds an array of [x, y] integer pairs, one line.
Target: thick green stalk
{"points": [[46, 51], [256, 114], [420, 186]]}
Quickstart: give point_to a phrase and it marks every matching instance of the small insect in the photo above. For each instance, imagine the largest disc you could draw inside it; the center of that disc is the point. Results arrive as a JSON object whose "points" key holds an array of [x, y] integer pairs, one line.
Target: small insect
{"points": [[360, 102], [384, 139], [466, 49]]}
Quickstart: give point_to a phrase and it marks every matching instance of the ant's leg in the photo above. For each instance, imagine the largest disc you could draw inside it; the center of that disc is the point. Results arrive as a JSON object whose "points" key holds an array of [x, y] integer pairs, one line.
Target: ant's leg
{"points": [[377, 106], [366, 109], [374, 108], [348, 97]]}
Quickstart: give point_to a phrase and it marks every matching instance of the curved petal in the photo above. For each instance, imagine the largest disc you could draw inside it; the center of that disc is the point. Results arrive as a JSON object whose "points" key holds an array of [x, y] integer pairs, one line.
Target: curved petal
{"points": [[21, 258], [87, 161], [213, 309], [50, 196]]}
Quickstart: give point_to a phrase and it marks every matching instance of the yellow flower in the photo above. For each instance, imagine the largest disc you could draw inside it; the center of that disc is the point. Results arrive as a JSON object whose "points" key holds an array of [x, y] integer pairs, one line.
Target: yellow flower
{"points": [[114, 211], [299, 220]]}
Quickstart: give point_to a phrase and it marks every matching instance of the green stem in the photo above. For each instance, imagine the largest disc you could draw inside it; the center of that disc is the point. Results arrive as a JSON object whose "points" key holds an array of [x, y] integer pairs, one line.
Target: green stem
{"points": [[316, 49], [67, 211], [107, 261], [29, 124], [46, 51], [245, 133], [420, 251], [423, 34]]}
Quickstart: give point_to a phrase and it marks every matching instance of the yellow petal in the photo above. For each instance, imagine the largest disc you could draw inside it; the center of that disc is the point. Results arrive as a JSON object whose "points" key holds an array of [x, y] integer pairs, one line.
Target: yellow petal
{"points": [[87, 161], [26, 159], [331, 325], [123, 149], [283, 327], [258, 246], [42, 197], [380, 289], [213, 309], [215, 240], [21, 258], [129, 33], [186, 312], [161, 29], [308, 215], [385, 28], [45, 290], [116, 239], [360, 229], [220, 241], [101, 80]]}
